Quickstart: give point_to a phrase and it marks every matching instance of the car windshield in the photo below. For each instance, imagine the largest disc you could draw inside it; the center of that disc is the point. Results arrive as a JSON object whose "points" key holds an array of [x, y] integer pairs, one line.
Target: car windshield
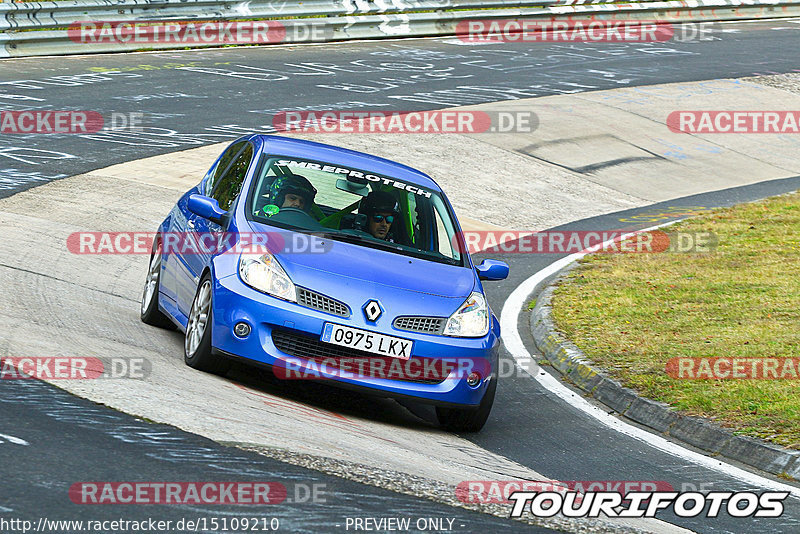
{"points": [[355, 206]]}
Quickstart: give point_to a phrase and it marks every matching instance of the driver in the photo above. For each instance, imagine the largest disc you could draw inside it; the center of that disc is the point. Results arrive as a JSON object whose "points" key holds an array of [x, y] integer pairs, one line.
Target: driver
{"points": [[381, 208], [291, 191]]}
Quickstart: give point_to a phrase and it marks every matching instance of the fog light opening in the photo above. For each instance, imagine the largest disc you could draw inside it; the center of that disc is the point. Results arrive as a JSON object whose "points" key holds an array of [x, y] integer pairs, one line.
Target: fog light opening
{"points": [[473, 379], [241, 329]]}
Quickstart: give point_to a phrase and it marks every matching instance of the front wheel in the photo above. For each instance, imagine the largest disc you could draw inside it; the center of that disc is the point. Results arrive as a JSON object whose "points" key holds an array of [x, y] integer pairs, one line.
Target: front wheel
{"points": [[197, 345], [468, 419]]}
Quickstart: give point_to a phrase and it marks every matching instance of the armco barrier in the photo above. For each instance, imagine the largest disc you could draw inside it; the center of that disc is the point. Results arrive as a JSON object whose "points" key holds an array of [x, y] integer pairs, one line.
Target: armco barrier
{"points": [[40, 28]]}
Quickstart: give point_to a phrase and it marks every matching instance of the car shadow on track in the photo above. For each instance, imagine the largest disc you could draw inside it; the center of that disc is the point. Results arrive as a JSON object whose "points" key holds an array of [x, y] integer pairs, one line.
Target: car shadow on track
{"points": [[316, 393]]}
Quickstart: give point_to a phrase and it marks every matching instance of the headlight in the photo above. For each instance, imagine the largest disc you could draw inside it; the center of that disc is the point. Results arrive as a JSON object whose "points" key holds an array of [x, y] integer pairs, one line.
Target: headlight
{"points": [[264, 273], [471, 319]]}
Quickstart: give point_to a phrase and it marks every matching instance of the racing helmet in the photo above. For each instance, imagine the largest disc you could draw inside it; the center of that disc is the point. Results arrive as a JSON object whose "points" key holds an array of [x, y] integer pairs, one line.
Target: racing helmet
{"points": [[379, 201], [293, 184]]}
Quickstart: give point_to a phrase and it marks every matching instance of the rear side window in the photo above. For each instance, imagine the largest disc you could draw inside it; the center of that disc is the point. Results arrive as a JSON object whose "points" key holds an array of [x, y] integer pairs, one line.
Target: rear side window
{"points": [[229, 185]]}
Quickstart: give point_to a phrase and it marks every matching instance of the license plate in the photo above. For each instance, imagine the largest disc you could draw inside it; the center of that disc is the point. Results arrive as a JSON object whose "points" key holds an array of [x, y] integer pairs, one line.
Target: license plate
{"points": [[358, 339]]}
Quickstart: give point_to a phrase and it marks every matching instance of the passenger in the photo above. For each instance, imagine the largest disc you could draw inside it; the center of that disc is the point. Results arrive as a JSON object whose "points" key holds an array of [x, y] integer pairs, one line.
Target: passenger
{"points": [[292, 191]]}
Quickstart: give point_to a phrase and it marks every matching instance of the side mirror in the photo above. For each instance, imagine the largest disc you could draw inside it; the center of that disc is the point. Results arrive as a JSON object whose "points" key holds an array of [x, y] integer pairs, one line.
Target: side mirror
{"points": [[492, 270], [206, 207]]}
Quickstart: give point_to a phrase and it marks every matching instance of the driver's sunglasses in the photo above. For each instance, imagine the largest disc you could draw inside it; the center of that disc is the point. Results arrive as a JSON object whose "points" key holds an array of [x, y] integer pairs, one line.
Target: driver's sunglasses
{"points": [[380, 218]]}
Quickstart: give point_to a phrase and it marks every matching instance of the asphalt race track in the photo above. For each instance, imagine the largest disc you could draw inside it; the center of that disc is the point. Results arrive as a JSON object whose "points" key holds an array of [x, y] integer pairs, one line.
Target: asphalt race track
{"points": [[198, 97], [194, 98], [105, 443]]}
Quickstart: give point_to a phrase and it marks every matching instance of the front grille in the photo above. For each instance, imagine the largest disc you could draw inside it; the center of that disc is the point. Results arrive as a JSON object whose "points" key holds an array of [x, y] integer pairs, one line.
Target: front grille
{"points": [[313, 349], [426, 325], [317, 301]]}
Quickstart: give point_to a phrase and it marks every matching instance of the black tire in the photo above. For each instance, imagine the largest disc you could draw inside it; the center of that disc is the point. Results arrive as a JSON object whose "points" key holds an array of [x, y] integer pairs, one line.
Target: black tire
{"points": [[197, 351], [148, 311], [468, 419]]}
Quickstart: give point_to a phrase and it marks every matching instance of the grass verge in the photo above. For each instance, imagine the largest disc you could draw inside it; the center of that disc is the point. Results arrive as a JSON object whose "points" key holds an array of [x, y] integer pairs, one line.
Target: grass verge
{"points": [[632, 313]]}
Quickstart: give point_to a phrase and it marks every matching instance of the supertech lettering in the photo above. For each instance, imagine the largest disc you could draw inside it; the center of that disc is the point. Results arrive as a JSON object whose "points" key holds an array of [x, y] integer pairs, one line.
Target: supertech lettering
{"points": [[357, 174]]}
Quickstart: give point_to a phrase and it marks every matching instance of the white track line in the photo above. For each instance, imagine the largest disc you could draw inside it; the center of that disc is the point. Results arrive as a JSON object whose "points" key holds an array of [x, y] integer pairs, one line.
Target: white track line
{"points": [[509, 317], [13, 439]]}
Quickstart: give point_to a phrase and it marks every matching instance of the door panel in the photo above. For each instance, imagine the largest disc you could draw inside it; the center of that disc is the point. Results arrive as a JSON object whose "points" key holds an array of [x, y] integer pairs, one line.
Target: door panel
{"points": [[226, 190]]}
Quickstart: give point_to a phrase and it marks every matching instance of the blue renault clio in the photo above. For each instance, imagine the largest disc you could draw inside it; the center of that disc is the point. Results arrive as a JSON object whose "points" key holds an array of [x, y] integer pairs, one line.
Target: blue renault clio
{"points": [[328, 264]]}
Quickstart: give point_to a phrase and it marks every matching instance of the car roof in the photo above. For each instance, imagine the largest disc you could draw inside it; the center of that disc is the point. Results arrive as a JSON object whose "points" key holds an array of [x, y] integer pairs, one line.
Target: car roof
{"points": [[299, 148]]}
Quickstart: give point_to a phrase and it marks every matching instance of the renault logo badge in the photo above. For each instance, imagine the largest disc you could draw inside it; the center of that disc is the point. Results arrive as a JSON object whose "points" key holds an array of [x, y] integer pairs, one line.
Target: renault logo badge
{"points": [[372, 310]]}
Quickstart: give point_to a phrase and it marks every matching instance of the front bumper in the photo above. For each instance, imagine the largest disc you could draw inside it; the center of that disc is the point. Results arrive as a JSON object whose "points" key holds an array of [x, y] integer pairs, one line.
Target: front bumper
{"points": [[235, 302]]}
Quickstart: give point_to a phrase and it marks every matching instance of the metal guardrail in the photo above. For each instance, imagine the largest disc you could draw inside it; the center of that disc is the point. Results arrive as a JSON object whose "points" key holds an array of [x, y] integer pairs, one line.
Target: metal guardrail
{"points": [[63, 13], [40, 28]]}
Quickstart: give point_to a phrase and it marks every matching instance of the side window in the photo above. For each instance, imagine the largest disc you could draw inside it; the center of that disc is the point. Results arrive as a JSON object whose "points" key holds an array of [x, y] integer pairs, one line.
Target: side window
{"points": [[215, 173], [445, 247], [209, 178], [442, 231], [229, 185]]}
